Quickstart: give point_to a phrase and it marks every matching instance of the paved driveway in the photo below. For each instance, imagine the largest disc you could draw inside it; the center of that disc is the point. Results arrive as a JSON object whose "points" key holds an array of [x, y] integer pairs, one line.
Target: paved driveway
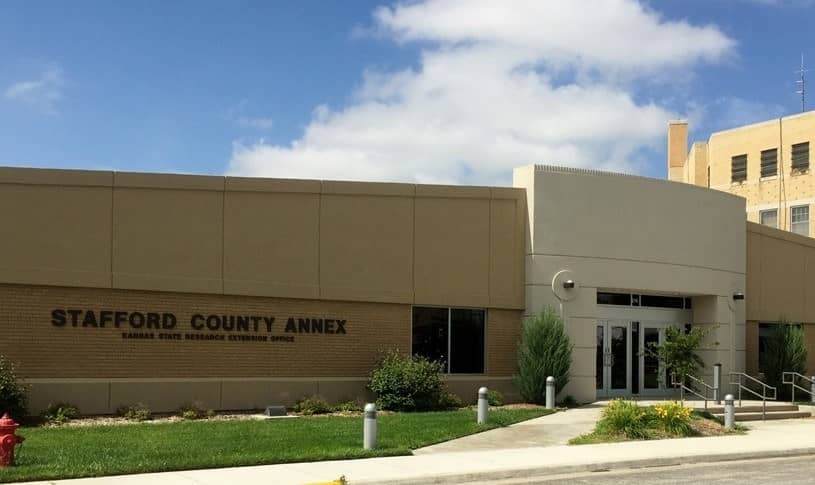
{"points": [[552, 430]]}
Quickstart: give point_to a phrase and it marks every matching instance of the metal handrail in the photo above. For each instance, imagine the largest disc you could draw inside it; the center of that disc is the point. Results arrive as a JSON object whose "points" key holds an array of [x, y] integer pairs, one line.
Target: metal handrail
{"points": [[683, 388], [793, 376], [764, 396]]}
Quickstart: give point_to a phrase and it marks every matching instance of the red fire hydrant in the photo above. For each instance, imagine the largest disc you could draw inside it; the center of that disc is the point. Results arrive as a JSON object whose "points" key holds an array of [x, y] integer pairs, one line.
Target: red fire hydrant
{"points": [[8, 440]]}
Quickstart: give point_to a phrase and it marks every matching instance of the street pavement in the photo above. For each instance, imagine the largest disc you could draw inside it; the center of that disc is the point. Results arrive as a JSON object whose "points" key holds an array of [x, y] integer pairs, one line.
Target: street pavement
{"points": [[789, 471]]}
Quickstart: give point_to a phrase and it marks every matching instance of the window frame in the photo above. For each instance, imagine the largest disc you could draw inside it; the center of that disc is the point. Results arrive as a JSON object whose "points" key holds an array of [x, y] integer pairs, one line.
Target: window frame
{"points": [[761, 217], [742, 173], [450, 336], [765, 165], [797, 166], [793, 223]]}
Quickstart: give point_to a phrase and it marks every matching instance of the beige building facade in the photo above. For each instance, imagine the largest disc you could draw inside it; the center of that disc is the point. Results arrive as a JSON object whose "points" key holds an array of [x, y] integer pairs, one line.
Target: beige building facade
{"points": [[767, 163], [118, 288]]}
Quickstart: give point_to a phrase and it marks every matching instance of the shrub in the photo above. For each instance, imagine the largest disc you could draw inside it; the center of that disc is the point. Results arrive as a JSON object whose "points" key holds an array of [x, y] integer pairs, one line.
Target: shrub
{"points": [[624, 417], [544, 350], [673, 418], [195, 410], [569, 402], [404, 383], [448, 400], [60, 412], [679, 354], [495, 398], [136, 412], [312, 405], [785, 350], [13, 393], [348, 407]]}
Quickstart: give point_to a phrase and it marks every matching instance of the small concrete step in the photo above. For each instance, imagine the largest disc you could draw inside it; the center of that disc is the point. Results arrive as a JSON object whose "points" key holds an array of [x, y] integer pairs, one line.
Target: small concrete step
{"points": [[758, 416], [753, 408]]}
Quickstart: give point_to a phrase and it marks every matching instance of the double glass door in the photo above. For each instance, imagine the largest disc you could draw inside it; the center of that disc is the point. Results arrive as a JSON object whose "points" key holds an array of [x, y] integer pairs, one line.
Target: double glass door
{"points": [[623, 367]]}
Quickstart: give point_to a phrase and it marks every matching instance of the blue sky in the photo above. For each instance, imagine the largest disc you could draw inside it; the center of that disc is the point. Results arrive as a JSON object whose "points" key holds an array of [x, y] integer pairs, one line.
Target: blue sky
{"points": [[428, 91]]}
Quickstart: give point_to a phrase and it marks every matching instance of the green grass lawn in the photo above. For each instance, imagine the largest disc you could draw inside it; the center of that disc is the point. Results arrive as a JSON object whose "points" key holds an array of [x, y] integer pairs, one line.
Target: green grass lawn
{"points": [[67, 452]]}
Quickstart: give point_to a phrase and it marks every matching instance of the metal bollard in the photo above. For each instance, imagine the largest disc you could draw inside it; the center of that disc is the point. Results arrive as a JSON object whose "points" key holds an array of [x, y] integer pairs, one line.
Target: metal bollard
{"points": [[812, 389], [729, 411], [483, 405], [369, 427], [550, 392], [717, 383]]}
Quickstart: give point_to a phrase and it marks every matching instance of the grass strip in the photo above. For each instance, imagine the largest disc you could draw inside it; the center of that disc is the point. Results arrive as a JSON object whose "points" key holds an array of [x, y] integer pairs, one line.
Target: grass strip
{"points": [[85, 451]]}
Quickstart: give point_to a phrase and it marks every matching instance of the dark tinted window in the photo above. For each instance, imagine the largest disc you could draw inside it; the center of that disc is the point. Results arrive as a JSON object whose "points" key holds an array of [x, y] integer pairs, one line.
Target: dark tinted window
{"points": [[466, 341], [769, 162], [738, 166], [800, 156], [662, 301], [613, 299], [430, 327], [454, 336]]}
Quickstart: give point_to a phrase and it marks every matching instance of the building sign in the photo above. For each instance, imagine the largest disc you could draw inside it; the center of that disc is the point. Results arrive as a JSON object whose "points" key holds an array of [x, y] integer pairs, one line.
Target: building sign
{"points": [[165, 326]]}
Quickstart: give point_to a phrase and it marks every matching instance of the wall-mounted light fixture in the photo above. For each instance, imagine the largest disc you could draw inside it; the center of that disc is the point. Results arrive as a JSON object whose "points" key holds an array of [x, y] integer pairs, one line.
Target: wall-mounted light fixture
{"points": [[569, 284], [738, 296]]}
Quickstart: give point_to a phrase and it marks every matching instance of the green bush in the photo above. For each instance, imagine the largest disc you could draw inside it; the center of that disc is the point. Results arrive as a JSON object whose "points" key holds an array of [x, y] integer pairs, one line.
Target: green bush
{"points": [[13, 393], [569, 402], [785, 350], [311, 405], [448, 400], [136, 412], [60, 412], [495, 398], [679, 354], [673, 417], [352, 406], [544, 350], [195, 410], [404, 383], [625, 418]]}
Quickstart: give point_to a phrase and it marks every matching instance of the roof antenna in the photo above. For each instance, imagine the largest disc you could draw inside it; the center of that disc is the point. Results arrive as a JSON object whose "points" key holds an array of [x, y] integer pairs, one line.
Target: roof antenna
{"points": [[802, 90]]}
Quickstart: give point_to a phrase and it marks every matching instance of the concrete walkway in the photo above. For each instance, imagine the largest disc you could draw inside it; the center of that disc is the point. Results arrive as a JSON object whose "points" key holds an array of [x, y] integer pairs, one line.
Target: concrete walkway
{"points": [[765, 440], [552, 430]]}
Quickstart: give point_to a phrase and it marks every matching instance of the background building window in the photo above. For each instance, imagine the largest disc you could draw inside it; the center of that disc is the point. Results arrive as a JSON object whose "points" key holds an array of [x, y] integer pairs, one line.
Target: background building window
{"points": [[769, 162], [769, 218], [800, 156], [738, 166], [799, 220], [454, 336]]}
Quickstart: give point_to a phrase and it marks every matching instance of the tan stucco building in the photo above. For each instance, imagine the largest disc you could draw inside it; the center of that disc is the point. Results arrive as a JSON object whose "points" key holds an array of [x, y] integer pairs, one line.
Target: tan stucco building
{"points": [[767, 163], [118, 288]]}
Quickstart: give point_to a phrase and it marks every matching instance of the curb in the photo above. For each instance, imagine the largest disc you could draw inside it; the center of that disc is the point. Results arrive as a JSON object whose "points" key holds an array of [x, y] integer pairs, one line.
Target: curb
{"points": [[541, 471]]}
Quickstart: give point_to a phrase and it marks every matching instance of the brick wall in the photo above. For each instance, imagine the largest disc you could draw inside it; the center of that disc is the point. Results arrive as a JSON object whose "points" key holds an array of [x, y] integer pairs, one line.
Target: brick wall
{"points": [[46, 351]]}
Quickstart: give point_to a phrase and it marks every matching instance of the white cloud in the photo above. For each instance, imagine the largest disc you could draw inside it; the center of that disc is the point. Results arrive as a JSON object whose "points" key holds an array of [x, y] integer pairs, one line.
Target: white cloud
{"points": [[499, 84], [238, 115], [42, 93]]}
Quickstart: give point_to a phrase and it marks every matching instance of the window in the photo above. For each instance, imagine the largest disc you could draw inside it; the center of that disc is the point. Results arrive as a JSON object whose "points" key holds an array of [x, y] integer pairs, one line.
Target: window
{"points": [[799, 220], [800, 156], [613, 298], [769, 162], [662, 301], [765, 330], [454, 336], [769, 218], [738, 166], [656, 301]]}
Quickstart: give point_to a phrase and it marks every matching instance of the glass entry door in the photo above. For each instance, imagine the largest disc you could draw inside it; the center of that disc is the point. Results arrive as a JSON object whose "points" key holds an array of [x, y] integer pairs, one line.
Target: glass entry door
{"points": [[613, 358], [652, 374]]}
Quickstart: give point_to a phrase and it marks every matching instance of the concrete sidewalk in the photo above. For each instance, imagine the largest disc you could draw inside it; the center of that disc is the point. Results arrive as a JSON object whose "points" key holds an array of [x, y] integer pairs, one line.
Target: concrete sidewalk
{"points": [[552, 430], [765, 440]]}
